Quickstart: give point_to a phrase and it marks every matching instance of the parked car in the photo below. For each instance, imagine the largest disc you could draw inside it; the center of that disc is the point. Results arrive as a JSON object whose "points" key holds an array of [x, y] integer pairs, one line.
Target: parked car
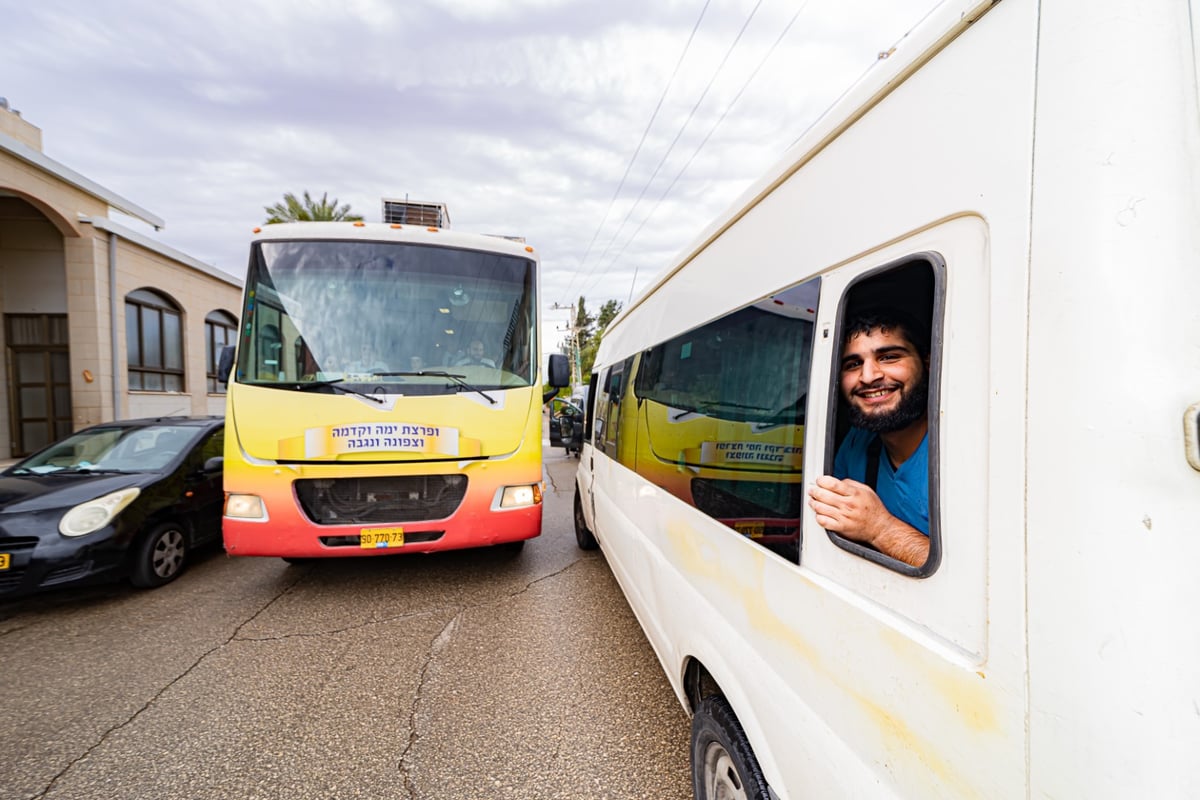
{"points": [[566, 424], [127, 499]]}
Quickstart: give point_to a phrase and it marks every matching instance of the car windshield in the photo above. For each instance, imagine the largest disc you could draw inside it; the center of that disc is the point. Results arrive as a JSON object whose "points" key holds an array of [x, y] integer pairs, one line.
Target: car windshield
{"points": [[112, 449], [370, 317]]}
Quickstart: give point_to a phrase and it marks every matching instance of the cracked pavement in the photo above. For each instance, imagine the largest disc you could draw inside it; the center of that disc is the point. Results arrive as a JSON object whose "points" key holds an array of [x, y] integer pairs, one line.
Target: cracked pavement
{"points": [[475, 674]]}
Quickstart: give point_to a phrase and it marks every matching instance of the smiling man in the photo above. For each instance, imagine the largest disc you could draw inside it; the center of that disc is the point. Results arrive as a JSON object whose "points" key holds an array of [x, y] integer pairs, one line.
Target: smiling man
{"points": [[879, 493]]}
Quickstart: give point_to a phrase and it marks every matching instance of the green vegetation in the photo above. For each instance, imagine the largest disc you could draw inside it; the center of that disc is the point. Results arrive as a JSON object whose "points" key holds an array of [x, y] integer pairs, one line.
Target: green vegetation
{"points": [[293, 210]]}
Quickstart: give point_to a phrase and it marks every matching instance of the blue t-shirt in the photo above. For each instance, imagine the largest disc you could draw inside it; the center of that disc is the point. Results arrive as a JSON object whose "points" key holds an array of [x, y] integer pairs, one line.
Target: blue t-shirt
{"points": [[904, 491]]}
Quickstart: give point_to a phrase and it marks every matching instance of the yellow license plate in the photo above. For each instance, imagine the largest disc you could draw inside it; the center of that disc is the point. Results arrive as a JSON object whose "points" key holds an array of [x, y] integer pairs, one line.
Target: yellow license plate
{"points": [[754, 530], [5, 560], [372, 538]]}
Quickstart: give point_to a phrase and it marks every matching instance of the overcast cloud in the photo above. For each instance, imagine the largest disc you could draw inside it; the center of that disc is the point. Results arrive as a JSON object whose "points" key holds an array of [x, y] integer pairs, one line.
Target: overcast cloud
{"points": [[523, 116]]}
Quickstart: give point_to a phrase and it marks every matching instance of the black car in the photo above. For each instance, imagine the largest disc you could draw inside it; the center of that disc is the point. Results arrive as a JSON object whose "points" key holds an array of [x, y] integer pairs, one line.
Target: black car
{"points": [[127, 499]]}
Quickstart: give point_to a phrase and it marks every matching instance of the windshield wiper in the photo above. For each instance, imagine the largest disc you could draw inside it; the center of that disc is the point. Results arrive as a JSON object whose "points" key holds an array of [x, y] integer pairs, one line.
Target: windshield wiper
{"points": [[714, 405], [459, 379], [333, 384]]}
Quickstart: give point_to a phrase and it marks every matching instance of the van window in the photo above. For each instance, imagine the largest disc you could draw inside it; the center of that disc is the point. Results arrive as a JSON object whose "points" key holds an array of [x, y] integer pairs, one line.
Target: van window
{"points": [[884, 413], [720, 413], [589, 409]]}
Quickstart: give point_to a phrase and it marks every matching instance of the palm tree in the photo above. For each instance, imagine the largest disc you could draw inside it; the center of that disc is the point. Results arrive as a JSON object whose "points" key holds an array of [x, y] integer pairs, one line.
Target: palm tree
{"points": [[292, 210]]}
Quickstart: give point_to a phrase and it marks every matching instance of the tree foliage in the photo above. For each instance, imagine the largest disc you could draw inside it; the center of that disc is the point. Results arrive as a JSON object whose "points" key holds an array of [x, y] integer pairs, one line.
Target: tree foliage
{"points": [[294, 210], [591, 331]]}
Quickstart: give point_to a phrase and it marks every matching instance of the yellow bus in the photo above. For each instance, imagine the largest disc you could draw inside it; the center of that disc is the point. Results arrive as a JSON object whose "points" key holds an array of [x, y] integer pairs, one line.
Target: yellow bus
{"points": [[385, 395]]}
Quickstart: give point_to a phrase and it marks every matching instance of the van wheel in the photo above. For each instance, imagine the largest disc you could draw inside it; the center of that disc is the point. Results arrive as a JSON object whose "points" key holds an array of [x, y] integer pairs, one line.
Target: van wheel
{"points": [[583, 536], [160, 556], [723, 764]]}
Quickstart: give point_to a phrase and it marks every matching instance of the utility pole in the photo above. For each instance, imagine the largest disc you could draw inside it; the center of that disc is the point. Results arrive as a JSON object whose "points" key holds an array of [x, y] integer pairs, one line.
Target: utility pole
{"points": [[573, 344]]}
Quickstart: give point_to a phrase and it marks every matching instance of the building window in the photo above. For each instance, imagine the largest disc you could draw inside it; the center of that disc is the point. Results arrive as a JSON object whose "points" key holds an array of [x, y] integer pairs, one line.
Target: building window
{"points": [[220, 328], [154, 341]]}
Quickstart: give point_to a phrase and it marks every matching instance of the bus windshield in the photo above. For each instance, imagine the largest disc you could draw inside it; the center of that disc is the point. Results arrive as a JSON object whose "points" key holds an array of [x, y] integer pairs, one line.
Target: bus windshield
{"points": [[326, 314]]}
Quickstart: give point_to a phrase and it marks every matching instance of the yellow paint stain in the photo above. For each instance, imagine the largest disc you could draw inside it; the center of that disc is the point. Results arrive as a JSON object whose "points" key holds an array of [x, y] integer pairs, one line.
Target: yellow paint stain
{"points": [[741, 582]]}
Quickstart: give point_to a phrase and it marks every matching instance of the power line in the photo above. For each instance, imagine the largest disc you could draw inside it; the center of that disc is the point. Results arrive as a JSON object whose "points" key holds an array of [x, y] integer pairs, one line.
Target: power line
{"points": [[686, 122], [708, 135], [638, 149]]}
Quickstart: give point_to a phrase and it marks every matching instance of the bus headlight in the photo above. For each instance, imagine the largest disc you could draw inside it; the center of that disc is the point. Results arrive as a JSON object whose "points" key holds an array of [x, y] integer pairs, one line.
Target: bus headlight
{"points": [[245, 506], [520, 496], [95, 514]]}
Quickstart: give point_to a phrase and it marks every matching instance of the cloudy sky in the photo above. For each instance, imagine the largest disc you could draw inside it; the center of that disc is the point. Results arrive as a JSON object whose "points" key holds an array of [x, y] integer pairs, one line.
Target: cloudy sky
{"points": [[608, 134]]}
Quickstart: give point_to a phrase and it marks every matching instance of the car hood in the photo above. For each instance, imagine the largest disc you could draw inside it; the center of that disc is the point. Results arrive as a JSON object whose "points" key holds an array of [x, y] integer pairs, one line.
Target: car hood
{"points": [[23, 493]]}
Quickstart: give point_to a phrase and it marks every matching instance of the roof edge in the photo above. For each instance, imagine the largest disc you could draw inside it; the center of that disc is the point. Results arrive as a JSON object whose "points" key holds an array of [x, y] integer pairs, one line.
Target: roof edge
{"points": [[140, 239], [61, 171]]}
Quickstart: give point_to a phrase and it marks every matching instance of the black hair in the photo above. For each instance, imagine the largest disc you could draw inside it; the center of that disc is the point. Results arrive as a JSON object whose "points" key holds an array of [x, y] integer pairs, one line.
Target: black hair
{"points": [[886, 319]]}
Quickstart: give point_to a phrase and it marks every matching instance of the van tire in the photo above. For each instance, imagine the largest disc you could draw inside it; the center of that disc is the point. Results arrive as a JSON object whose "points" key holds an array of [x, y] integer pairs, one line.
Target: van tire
{"points": [[723, 763], [583, 536]]}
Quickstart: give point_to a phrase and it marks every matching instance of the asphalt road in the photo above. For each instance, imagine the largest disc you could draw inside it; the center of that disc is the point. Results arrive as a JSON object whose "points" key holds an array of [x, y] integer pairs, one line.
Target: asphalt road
{"points": [[473, 674]]}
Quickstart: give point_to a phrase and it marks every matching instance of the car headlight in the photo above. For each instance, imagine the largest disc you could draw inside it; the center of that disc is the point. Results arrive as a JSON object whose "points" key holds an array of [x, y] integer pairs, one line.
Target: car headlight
{"points": [[95, 514]]}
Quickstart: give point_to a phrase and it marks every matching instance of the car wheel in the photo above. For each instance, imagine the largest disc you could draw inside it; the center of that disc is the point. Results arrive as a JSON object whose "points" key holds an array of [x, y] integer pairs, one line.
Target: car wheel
{"points": [[161, 556], [723, 764], [583, 536]]}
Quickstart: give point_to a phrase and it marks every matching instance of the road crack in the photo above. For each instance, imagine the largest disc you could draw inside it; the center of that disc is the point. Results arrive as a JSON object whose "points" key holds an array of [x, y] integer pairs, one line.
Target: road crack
{"points": [[114, 729], [436, 647]]}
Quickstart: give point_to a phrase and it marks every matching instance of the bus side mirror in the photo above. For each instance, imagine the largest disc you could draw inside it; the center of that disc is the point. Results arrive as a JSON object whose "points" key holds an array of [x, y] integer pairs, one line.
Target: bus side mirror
{"points": [[225, 363], [560, 371]]}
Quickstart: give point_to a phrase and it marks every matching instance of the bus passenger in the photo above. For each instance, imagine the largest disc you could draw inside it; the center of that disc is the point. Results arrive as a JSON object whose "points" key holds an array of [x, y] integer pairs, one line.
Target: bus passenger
{"points": [[885, 382], [367, 363], [475, 357]]}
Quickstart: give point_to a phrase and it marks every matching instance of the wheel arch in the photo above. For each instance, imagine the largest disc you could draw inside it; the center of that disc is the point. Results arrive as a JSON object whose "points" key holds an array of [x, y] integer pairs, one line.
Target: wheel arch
{"points": [[698, 683]]}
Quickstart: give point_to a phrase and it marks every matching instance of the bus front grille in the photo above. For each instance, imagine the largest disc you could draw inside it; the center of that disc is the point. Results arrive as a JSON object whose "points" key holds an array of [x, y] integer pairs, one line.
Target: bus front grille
{"points": [[358, 501]]}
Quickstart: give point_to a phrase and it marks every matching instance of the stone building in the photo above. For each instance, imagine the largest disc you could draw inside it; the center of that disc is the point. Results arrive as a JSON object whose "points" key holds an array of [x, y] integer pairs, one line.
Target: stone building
{"points": [[101, 322]]}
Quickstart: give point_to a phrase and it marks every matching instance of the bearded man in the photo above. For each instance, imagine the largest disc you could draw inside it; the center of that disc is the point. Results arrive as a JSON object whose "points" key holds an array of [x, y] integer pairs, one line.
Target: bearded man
{"points": [[879, 492]]}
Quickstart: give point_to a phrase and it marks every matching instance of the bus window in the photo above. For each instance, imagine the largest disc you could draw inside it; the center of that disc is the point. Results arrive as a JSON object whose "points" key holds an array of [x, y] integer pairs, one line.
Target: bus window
{"points": [[883, 439], [722, 407]]}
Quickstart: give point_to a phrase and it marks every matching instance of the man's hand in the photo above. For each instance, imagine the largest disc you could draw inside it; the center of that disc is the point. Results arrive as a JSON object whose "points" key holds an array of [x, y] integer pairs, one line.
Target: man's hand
{"points": [[853, 510]]}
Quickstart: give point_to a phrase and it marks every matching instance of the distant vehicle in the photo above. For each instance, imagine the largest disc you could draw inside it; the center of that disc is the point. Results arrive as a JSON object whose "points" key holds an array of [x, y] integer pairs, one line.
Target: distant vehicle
{"points": [[566, 424], [127, 499]]}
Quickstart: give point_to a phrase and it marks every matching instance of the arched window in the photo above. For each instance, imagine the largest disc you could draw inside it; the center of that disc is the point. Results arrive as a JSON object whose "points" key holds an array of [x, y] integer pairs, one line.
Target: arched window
{"points": [[220, 328], [154, 340]]}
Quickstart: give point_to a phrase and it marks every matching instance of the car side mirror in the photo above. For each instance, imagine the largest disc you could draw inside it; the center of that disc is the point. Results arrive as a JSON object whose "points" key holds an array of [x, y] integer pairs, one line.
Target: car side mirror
{"points": [[215, 464], [225, 363]]}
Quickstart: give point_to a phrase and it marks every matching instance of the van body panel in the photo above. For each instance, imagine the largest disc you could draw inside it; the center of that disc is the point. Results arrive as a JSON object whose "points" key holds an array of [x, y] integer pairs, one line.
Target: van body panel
{"points": [[1042, 159]]}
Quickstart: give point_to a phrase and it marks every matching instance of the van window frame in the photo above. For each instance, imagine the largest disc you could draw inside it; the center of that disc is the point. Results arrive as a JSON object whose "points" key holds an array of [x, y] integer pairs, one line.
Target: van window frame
{"points": [[937, 265]]}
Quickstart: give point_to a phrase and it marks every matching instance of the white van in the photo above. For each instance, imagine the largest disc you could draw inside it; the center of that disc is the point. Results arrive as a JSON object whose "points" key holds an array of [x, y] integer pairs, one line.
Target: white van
{"points": [[1023, 178]]}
